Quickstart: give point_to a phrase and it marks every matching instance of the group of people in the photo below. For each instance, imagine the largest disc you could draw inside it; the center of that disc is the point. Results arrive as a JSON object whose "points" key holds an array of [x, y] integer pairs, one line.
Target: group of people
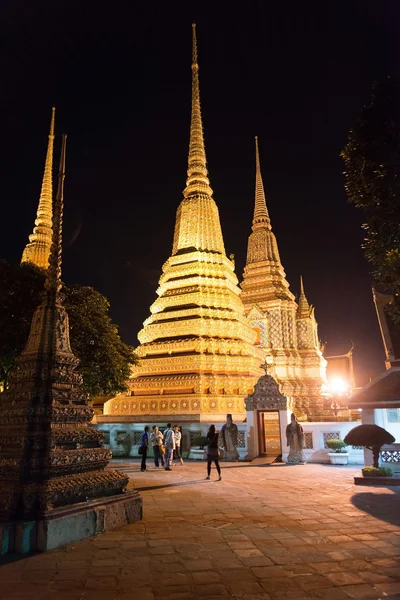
{"points": [[166, 446]]}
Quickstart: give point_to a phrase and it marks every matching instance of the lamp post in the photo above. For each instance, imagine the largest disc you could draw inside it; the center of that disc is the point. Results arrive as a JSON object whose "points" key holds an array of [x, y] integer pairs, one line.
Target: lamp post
{"points": [[338, 392]]}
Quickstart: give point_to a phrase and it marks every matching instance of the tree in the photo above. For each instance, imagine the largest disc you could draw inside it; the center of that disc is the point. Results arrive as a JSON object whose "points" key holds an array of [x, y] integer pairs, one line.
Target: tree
{"points": [[372, 183], [372, 437], [105, 360]]}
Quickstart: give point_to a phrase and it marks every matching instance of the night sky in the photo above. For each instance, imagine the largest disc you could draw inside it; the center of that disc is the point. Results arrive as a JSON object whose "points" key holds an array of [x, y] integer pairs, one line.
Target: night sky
{"points": [[294, 73]]}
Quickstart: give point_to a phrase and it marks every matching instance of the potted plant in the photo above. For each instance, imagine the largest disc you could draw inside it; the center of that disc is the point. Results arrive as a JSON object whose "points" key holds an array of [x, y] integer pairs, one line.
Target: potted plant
{"points": [[338, 454], [372, 437], [377, 472]]}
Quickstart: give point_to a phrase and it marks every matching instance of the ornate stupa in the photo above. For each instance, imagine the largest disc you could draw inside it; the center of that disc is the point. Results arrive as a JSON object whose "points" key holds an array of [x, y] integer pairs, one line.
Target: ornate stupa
{"points": [[287, 331], [198, 357], [50, 458], [37, 251]]}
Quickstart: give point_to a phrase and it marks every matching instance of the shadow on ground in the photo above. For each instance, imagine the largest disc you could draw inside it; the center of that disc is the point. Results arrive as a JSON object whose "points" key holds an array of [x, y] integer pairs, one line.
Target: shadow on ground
{"points": [[385, 507]]}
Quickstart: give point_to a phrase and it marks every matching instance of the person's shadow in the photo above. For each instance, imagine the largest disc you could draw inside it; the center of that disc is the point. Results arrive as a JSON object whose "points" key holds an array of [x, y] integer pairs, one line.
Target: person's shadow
{"points": [[385, 507]]}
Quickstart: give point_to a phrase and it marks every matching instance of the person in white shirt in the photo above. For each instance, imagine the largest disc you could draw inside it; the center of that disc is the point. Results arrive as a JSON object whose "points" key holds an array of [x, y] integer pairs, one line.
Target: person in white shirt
{"points": [[178, 441], [156, 439], [169, 445]]}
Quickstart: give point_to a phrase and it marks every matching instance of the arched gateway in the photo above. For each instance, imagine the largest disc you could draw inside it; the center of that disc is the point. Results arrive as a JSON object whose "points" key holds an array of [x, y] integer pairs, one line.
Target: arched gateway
{"points": [[268, 414]]}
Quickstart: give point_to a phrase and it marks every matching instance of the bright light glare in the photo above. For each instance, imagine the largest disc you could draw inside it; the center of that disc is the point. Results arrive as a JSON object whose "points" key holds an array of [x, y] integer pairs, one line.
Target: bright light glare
{"points": [[338, 386]]}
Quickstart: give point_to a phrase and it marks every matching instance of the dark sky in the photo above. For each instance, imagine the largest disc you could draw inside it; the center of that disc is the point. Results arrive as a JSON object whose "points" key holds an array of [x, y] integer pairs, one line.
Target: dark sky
{"points": [[294, 73]]}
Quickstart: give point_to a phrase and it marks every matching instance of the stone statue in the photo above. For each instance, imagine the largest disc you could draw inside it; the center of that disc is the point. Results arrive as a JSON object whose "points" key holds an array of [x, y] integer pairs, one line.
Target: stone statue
{"points": [[229, 436], [295, 440]]}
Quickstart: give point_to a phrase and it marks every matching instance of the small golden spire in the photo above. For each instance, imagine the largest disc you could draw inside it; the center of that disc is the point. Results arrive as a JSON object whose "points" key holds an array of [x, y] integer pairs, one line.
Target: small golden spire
{"points": [[197, 181], [53, 279], [260, 206], [303, 309], [37, 251]]}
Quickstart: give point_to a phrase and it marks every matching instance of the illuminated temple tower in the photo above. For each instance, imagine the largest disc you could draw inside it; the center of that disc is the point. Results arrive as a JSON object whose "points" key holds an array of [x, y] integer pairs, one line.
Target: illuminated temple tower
{"points": [[287, 331], [198, 357], [37, 251]]}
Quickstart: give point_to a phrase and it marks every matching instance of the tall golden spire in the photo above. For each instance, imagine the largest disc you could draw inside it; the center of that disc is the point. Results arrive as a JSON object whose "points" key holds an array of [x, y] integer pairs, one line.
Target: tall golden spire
{"points": [[303, 309], [197, 181], [37, 251], [260, 207], [53, 279], [264, 279]]}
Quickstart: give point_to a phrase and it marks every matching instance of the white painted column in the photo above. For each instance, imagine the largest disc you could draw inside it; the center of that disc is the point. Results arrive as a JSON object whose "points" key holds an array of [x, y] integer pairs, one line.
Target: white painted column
{"points": [[284, 420], [368, 418], [252, 435]]}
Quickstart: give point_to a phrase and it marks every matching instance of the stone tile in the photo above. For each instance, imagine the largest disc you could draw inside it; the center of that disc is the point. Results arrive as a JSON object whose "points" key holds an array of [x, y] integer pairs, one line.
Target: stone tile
{"points": [[205, 577], [197, 565], [256, 561], [268, 572], [373, 577], [312, 582], [342, 578], [211, 589], [248, 588], [362, 591], [389, 588], [101, 583]]}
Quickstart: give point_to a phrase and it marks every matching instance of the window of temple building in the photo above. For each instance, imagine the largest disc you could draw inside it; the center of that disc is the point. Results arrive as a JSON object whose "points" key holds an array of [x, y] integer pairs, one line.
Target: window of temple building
{"points": [[258, 332], [393, 415]]}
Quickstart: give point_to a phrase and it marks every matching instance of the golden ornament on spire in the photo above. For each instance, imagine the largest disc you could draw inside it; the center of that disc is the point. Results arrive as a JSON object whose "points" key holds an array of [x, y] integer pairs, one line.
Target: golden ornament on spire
{"points": [[264, 277], [197, 181], [303, 309], [260, 207], [37, 251]]}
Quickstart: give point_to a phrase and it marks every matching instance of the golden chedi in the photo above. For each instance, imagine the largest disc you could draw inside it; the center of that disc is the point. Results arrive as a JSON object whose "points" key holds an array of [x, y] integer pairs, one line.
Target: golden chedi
{"points": [[37, 251], [287, 331], [198, 357]]}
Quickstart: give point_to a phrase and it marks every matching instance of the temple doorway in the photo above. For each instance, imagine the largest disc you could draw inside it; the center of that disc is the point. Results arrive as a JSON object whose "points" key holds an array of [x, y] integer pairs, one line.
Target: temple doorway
{"points": [[269, 434]]}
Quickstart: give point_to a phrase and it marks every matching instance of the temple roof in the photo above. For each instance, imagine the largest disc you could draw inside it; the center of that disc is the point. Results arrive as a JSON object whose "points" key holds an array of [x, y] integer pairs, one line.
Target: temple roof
{"points": [[381, 392]]}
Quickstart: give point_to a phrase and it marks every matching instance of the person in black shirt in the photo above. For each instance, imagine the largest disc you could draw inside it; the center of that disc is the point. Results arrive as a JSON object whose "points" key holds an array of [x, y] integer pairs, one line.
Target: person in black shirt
{"points": [[144, 447], [213, 451]]}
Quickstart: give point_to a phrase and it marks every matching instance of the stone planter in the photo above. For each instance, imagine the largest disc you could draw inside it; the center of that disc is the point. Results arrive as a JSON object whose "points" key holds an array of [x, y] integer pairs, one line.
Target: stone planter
{"points": [[196, 453], [377, 481], [338, 458]]}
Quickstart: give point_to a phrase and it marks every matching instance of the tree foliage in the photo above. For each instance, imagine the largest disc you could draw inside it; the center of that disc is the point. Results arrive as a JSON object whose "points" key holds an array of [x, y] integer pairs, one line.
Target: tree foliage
{"points": [[372, 183], [105, 359]]}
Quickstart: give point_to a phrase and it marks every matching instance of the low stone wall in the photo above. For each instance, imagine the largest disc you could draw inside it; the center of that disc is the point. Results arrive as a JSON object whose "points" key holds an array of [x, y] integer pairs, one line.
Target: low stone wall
{"points": [[124, 438], [316, 435], [390, 457]]}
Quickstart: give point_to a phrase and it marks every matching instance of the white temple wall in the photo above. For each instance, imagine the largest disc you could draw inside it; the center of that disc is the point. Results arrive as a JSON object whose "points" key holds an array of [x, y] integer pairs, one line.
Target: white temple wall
{"points": [[124, 438], [316, 434]]}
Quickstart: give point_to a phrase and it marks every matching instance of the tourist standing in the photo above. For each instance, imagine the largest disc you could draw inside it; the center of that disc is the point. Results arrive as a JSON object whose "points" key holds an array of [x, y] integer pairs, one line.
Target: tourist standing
{"points": [[169, 445], [213, 451], [178, 443], [144, 447], [156, 438]]}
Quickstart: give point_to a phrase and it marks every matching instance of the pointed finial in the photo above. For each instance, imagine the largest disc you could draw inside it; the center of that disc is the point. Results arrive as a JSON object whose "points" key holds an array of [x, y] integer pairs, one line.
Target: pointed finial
{"points": [[194, 46], [301, 285], [303, 309], [37, 251], [197, 181], [53, 116], [53, 279], [260, 207]]}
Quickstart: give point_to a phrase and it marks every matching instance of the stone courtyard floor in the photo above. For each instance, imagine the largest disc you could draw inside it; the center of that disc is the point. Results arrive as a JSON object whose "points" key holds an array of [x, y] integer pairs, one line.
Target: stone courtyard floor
{"points": [[280, 531]]}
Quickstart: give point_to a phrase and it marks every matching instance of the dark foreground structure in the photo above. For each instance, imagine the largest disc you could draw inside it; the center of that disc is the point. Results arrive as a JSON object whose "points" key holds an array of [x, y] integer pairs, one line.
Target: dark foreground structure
{"points": [[54, 486]]}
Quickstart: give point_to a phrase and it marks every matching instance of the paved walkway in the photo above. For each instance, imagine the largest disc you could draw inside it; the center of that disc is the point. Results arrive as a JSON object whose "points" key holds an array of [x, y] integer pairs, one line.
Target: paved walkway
{"points": [[263, 532]]}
